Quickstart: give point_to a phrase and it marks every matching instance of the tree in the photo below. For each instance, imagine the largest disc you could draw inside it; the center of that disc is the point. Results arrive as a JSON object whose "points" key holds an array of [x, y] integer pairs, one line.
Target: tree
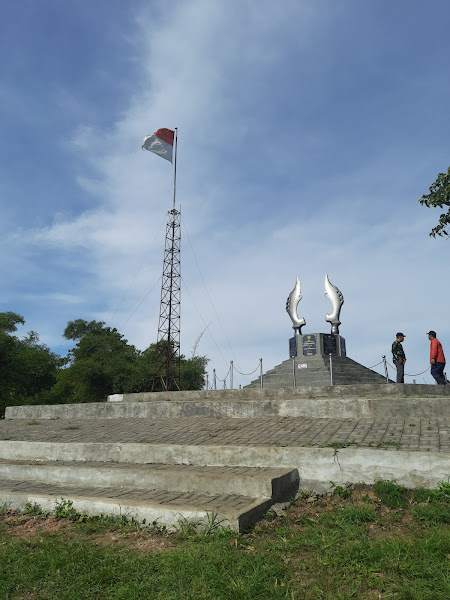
{"points": [[101, 363], [439, 196], [28, 369], [76, 330], [192, 371]]}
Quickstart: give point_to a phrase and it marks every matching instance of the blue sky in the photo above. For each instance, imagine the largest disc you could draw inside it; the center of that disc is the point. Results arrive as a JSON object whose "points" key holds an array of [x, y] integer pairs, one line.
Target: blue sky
{"points": [[307, 131]]}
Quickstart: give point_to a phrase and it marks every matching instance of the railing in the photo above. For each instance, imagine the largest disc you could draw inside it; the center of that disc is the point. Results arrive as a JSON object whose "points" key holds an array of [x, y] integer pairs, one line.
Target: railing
{"points": [[232, 369], [230, 374]]}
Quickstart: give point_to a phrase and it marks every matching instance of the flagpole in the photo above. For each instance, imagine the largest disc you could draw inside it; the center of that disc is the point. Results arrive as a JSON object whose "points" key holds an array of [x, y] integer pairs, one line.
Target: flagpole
{"points": [[175, 167]]}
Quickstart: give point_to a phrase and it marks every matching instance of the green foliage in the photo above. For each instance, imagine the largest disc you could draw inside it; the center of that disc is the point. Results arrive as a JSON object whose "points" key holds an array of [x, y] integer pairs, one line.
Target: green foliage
{"points": [[397, 496], [28, 369], [101, 363], [9, 321], [390, 494], [358, 514], [32, 508], [76, 330], [339, 490], [444, 490], [439, 196], [65, 509], [354, 548], [432, 513], [192, 372]]}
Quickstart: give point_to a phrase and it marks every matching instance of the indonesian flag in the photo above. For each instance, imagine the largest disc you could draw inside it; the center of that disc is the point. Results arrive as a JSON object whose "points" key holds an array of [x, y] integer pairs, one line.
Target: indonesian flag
{"points": [[160, 143]]}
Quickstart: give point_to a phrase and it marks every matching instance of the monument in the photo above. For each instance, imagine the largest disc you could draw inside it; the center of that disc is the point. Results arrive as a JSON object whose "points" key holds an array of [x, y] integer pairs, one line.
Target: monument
{"points": [[318, 343], [317, 358]]}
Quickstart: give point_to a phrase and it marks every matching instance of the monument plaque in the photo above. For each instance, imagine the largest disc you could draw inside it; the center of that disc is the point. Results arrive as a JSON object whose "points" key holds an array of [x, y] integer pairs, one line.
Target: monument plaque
{"points": [[309, 345], [292, 347], [342, 344], [329, 344]]}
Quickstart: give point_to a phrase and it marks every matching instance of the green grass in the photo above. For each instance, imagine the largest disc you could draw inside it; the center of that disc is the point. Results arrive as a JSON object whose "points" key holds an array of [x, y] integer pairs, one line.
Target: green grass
{"points": [[370, 543]]}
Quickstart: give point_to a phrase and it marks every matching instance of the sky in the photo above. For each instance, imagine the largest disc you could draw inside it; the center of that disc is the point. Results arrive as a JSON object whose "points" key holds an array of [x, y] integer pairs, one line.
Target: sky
{"points": [[307, 131]]}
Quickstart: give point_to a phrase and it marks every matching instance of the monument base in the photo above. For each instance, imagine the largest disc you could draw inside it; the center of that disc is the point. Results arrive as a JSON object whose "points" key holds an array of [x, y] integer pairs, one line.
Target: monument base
{"points": [[317, 344], [317, 359]]}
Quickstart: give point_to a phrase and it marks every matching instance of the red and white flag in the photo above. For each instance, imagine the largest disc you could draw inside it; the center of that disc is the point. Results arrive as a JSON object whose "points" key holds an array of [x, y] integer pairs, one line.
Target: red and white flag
{"points": [[160, 143]]}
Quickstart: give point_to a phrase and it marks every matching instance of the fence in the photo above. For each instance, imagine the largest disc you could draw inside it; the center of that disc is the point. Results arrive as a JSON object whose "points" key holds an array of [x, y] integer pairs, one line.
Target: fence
{"points": [[232, 369]]}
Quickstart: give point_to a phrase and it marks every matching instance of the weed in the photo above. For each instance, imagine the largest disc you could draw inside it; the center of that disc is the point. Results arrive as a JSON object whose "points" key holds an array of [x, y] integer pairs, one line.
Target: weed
{"points": [[339, 490], [109, 519], [358, 514], [157, 527], [32, 508], [4, 507], [101, 523], [393, 444], [444, 490], [213, 526], [432, 513], [64, 508], [339, 445], [390, 494], [336, 445], [33, 422], [186, 528], [304, 494]]}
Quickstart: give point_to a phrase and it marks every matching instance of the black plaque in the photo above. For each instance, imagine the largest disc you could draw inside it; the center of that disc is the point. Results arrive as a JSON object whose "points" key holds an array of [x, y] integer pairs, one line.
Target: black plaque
{"points": [[309, 345], [343, 349], [329, 344], [292, 347]]}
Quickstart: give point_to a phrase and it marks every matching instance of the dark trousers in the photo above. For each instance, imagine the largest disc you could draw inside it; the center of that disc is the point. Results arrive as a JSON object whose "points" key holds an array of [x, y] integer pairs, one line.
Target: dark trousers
{"points": [[437, 370], [400, 371]]}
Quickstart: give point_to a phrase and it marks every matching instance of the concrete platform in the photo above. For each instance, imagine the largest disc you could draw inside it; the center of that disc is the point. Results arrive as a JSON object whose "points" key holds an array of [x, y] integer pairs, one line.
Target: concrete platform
{"points": [[345, 401], [108, 461]]}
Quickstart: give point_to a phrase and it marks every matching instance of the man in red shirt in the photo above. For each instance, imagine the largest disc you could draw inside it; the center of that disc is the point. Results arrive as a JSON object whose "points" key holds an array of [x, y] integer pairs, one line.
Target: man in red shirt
{"points": [[437, 358]]}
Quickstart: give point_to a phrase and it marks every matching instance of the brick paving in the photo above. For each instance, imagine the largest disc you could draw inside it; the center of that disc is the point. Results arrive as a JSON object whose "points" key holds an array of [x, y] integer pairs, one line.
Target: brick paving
{"points": [[395, 434]]}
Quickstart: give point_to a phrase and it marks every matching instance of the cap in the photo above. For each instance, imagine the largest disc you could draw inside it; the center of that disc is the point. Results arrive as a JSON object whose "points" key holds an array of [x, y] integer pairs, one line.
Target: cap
{"points": [[431, 332], [400, 334]]}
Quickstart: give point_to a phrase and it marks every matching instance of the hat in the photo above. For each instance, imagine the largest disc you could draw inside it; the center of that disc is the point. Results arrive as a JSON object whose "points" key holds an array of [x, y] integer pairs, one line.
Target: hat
{"points": [[431, 332], [400, 334]]}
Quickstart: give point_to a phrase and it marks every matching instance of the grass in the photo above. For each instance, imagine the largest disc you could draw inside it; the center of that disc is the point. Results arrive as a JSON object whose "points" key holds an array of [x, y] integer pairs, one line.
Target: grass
{"points": [[369, 543]]}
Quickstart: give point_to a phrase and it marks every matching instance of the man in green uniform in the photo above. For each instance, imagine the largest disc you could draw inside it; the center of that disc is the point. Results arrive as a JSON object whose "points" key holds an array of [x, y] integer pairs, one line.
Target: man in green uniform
{"points": [[399, 358]]}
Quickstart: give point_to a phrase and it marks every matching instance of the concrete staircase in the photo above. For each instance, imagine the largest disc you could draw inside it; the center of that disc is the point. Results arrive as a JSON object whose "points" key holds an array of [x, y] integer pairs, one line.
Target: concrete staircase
{"points": [[158, 494], [315, 371], [221, 457]]}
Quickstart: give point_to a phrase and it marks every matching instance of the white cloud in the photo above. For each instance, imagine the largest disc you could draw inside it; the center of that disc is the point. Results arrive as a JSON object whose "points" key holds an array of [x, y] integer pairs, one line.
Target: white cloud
{"points": [[255, 217]]}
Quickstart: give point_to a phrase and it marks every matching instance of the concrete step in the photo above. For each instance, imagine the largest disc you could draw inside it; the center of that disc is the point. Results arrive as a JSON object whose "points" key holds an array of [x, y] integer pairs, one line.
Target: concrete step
{"points": [[349, 401], [414, 452], [244, 481], [154, 492], [162, 507], [345, 372]]}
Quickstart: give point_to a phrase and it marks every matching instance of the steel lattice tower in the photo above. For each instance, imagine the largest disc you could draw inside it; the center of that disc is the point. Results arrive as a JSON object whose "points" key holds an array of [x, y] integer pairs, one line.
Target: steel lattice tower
{"points": [[167, 355]]}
